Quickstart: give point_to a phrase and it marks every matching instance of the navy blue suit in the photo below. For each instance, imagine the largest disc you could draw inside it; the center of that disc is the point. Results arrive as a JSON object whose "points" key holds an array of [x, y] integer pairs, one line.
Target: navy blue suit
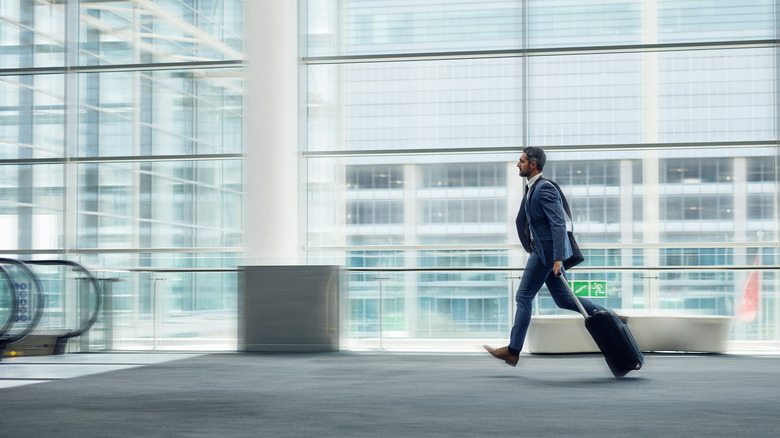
{"points": [[542, 216]]}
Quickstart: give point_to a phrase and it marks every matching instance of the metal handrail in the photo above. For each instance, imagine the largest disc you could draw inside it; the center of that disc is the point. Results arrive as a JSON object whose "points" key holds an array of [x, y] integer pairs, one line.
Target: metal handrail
{"points": [[14, 305], [96, 288], [578, 269], [462, 268]]}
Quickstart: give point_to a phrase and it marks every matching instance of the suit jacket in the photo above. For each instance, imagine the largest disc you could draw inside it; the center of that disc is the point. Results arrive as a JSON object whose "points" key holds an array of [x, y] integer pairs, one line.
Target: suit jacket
{"points": [[542, 216]]}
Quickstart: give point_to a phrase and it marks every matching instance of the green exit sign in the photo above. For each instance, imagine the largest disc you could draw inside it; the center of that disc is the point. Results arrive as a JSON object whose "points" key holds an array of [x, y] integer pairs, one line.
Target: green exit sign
{"points": [[591, 289]]}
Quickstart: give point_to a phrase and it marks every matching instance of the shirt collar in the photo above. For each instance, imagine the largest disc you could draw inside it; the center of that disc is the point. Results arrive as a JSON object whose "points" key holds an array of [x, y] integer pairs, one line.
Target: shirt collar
{"points": [[533, 181]]}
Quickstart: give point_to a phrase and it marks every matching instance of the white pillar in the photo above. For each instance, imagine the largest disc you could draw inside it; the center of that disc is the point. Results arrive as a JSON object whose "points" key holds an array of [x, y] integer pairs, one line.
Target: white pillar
{"points": [[70, 172], [651, 164], [271, 217]]}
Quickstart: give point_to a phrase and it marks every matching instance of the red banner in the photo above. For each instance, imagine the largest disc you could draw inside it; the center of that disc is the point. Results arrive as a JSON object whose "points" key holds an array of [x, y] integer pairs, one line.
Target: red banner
{"points": [[748, 310]]}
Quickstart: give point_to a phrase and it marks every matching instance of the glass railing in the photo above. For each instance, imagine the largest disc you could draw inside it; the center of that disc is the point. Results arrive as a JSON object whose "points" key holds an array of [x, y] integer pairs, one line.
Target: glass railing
{"points": [[425, 309], [459, 309], [167, 309]]}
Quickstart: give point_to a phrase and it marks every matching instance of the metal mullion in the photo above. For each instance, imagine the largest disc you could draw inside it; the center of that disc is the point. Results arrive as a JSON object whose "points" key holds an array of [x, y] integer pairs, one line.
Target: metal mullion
{"points": [[123, 159], [444, 269], [512, 246], [70, 182], [551, 51], [115, 68], [582, 269], [166, 250], [552, 148]]}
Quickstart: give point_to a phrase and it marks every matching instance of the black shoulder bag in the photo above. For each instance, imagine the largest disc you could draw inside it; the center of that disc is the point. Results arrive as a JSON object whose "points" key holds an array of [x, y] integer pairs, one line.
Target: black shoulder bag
{"points": [[577, 256]]}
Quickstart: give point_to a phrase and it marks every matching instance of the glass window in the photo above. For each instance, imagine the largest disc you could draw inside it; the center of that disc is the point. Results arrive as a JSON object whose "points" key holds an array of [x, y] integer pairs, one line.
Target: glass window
{"points": [[698, 170], [178, 112], [169, 32], [585, 99], [423, 26], [760, 207], [375, 177], [714, 20], [31, 111], [32, 34], [716, 95], [565, 23], [414, 105], [84, 173], [761, 169], [664, 135], [464, 175], [374, 212]]}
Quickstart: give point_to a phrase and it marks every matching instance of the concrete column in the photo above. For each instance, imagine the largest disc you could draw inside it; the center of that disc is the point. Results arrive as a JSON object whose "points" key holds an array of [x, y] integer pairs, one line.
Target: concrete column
{"points": [[271, 217], [70, 172], [650, 135], [651, 222]]}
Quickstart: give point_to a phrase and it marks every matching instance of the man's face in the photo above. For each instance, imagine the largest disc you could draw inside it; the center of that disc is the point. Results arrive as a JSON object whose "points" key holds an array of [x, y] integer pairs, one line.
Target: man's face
{"points": [[524, 165]]}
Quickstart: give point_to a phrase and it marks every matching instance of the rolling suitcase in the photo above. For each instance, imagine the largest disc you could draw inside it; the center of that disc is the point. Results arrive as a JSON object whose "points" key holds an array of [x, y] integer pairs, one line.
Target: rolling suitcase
{"points": [[613, 338]]}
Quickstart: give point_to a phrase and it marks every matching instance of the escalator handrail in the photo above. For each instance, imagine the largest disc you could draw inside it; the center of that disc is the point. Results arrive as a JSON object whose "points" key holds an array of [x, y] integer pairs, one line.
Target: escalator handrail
{"points": [[39, 298], [14, 303], [96, 287]]}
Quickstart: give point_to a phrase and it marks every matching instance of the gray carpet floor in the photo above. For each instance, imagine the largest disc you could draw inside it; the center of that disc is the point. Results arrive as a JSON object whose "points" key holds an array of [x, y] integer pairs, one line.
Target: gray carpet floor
{"points": [[405, 395]]}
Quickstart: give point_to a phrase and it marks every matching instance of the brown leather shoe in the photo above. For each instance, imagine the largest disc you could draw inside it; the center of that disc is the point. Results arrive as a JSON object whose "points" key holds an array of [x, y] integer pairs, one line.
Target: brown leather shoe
{"points": [[503, 354]]}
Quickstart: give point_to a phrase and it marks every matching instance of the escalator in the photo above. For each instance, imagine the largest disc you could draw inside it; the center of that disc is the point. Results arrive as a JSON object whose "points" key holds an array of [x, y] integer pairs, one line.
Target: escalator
{"points": [[56, 300], [28, 294], [9, 307]]}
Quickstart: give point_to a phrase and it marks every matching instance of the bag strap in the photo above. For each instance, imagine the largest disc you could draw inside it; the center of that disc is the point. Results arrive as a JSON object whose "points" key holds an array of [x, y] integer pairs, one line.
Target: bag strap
{"points": [[565, 202]]}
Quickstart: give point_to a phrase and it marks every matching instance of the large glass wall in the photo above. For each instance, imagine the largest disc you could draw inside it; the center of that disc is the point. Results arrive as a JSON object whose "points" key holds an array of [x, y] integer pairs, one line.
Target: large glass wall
{"points": [[660, 119], [120, 148]]}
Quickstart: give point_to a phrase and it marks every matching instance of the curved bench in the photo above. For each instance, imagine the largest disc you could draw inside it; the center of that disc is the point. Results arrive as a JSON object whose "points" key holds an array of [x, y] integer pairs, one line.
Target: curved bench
{"points": [[567, 334]]}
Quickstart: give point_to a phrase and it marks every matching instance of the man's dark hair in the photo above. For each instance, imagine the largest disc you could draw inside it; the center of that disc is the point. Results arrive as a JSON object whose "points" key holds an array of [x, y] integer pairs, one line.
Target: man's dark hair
{"points": [[536, 154]]}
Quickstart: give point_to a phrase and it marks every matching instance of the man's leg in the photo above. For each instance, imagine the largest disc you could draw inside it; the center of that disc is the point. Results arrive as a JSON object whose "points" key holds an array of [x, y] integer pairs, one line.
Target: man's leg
{"points": [[533, 278], [563, 298]]}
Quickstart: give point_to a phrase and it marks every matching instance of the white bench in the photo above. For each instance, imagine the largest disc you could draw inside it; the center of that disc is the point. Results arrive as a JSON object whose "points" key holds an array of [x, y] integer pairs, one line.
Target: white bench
{"points": [[567, 334]]}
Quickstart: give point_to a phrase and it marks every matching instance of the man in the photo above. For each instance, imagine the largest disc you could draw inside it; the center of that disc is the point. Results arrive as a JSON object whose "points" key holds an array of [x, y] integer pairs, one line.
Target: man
{"points": [[541, 226]]}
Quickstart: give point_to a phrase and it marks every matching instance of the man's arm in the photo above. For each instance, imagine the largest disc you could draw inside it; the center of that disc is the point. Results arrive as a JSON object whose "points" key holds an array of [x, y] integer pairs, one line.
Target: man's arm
{"points": [[552, 205]]}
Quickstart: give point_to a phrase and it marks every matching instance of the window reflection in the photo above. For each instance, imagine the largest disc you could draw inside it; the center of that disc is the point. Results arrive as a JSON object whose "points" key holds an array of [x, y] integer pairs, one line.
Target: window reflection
{"points": [[106, 193]]}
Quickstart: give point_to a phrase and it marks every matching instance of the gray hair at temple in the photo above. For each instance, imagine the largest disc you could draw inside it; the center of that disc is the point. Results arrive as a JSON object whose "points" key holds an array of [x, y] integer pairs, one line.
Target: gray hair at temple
{"points": [[536, 154]]}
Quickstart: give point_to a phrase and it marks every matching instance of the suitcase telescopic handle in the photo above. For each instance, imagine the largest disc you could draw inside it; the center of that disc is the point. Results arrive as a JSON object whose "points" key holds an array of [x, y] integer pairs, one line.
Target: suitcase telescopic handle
{"points": [[573, 295]]}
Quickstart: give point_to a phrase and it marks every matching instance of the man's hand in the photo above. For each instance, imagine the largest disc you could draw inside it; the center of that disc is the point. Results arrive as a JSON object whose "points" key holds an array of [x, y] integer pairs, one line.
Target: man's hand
{"points": [[557, 266]]}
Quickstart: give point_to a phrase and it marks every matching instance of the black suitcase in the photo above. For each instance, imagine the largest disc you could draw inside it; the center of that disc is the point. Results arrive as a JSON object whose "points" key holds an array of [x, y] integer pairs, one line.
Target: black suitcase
{"points": [[613, 338]]}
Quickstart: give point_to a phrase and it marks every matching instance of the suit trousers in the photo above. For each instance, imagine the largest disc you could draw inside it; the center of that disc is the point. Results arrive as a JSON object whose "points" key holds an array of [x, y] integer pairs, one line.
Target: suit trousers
{"points": [[536, 274]]}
